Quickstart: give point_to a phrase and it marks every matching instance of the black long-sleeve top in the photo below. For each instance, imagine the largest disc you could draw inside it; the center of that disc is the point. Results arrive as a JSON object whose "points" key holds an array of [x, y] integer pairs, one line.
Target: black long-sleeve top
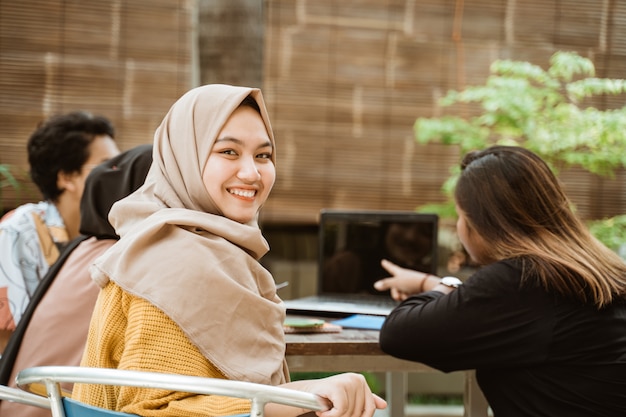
{"points": [[535, 354]]}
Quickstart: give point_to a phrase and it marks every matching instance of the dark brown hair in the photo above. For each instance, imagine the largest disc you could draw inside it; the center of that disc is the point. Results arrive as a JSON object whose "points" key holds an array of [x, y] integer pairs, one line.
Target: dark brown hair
{"points": [[61, 144], [249, 101], [512, 199]]}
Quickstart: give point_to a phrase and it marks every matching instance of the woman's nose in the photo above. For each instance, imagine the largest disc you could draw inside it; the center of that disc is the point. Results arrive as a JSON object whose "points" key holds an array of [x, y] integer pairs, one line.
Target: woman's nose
{"points": [[248, 170]]}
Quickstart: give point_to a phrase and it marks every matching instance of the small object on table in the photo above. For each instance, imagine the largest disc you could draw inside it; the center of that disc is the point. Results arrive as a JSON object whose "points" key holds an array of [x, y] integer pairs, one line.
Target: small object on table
{"points": [[303, 325]]}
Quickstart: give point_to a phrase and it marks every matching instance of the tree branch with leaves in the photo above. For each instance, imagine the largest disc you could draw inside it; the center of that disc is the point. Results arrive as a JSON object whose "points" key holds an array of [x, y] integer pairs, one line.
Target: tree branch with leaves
{"points": [[542, 110]]}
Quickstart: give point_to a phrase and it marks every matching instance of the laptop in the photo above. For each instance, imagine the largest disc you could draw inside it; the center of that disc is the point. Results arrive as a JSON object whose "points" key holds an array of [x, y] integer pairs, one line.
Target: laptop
{"points": [[351, 246]]}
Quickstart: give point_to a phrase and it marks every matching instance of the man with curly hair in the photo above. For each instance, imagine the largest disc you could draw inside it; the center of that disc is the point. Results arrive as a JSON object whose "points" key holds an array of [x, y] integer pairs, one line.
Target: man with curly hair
{"points": [[61, 153]]}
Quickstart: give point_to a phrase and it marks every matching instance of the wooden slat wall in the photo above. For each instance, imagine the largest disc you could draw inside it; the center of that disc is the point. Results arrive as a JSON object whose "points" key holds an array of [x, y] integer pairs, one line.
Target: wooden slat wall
{"points": [[230, 42], [346, 80], [127, 60]]}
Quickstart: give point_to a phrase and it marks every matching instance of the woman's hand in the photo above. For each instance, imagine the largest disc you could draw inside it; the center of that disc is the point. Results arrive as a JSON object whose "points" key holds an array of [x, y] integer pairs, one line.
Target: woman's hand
{"points": [[402, 283], [348, 393]]}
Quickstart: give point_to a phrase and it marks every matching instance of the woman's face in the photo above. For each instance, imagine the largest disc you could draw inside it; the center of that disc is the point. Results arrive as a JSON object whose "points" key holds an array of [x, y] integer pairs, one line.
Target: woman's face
{"points": [[101, 149], [471, 241], [239, 173]]}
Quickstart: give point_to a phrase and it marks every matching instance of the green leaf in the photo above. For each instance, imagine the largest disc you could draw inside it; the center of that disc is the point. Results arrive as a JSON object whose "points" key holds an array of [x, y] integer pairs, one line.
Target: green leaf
{"points": [[565, 65], [7, 177], [610, 231], [443, 210], [588, 87]]}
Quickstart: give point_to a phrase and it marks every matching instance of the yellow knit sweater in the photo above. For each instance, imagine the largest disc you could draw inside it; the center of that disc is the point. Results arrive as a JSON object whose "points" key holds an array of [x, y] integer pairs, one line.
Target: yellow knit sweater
{"points": [[127, 332]]}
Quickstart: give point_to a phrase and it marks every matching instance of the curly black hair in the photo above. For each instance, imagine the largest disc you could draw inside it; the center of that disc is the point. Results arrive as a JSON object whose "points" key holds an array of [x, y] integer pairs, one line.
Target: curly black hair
{"points": [[61, 144]]}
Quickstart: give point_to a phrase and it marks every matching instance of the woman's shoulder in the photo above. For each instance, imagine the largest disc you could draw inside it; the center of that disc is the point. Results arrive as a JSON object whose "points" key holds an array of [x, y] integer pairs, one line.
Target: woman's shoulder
{"points": [[116, 297], [498, 275], [511, 266]]}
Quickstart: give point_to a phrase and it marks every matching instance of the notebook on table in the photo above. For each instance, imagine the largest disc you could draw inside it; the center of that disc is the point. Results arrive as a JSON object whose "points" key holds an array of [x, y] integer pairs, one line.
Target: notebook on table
{"points": [[351, 246]]}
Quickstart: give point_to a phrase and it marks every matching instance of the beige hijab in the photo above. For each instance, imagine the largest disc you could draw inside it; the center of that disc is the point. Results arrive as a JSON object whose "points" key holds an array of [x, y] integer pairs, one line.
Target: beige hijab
{"points": [[181, 254]]}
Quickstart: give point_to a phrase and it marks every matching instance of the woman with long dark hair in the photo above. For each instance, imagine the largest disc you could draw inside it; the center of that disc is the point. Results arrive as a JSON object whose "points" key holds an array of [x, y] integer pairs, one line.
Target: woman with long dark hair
{"points": [[543, 320]]}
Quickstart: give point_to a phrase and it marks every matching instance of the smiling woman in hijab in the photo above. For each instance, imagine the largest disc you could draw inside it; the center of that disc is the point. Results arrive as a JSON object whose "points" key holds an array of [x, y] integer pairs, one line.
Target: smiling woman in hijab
{"points": [[54, 327], [183, 290]]}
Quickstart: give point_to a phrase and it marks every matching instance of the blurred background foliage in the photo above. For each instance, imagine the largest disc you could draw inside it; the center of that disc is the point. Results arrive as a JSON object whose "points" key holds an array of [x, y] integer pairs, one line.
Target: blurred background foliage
{"points": [[545, 111], [6, 180]]}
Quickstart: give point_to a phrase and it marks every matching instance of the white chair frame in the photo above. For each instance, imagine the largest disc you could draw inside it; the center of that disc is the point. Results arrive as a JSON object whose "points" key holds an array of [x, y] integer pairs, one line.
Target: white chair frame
{"points": [[259, 394], [19, 396]]}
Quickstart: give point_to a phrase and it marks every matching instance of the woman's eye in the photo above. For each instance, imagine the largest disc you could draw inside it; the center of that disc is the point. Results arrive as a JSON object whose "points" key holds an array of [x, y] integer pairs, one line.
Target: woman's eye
{"points": [[228, 152], [267, 155]]}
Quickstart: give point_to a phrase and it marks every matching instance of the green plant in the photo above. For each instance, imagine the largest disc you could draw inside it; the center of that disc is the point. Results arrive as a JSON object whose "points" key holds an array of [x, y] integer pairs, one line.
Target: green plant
{"points": [[612, 232], [437, 399], [372, 381], [544, 111], [6, 179]]}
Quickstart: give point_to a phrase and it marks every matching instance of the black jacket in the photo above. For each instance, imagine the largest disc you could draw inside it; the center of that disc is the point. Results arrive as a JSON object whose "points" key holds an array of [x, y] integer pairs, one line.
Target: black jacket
{"points": [[535, 354]]}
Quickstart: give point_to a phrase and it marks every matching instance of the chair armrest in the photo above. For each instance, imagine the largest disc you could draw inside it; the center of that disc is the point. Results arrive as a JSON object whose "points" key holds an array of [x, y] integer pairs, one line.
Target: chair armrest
{"points": [[259, 394], [23, 397]]}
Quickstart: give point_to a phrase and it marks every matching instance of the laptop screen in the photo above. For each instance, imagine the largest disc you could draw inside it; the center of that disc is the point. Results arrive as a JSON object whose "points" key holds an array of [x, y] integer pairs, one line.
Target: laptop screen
{"points": [[352, 244]]}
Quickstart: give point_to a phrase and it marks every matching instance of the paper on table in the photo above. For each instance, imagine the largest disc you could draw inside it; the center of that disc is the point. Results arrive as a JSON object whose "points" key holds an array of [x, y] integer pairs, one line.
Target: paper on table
{"points": [[361, 321]]}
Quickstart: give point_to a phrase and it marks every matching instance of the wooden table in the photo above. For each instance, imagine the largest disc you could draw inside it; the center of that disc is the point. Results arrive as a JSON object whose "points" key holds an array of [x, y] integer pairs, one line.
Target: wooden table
{"points": [[358, 351]]}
